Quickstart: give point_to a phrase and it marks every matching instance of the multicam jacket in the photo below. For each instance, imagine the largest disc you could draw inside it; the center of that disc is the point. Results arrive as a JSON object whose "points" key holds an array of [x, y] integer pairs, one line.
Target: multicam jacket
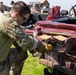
{"points": [[7, 36]]}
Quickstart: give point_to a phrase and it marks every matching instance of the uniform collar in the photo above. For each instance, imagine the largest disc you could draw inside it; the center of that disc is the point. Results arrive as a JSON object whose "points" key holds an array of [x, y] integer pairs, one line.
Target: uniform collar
{"points": [[7, 13]]}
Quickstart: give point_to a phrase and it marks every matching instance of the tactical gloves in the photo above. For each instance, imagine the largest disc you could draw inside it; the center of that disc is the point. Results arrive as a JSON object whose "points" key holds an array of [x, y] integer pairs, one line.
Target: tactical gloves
{"points": [[41, 47]]}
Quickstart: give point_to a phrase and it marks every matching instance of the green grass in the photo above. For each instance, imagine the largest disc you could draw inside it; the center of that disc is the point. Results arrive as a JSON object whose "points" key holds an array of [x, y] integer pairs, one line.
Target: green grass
{"points": [[32, 66]]}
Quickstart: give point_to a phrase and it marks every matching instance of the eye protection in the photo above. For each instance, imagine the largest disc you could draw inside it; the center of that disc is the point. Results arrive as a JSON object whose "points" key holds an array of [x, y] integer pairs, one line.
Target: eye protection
{"points": [[24, 18]]}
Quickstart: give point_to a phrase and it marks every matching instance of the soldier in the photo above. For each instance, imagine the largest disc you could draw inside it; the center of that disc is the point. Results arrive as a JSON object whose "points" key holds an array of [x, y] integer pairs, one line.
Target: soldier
{"points": [[4, 7], [12, 2], [20, 55], [17, 52], [11, 31]]}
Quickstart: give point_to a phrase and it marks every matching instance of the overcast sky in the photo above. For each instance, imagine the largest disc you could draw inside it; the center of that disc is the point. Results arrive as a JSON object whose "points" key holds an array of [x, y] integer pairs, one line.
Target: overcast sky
{"points": [[65, 4]]}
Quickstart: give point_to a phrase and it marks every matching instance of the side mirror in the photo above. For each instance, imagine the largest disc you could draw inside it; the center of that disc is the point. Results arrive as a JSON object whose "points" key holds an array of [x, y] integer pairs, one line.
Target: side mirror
{"points": [[64, 12]]}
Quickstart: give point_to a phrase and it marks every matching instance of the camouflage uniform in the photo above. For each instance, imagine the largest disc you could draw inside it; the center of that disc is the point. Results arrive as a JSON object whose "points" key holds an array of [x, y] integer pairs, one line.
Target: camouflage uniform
{"points": [[10, 31], [16, 67], [17, 59]]}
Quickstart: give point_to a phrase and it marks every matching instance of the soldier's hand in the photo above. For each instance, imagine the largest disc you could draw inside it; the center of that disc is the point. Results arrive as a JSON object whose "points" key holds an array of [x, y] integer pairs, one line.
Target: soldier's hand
{"points": [[10, 29], [42, 47]]}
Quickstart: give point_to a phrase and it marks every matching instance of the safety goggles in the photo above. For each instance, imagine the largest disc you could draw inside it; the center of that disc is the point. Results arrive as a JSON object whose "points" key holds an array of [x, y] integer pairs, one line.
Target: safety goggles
{"points": [[24, 18]]}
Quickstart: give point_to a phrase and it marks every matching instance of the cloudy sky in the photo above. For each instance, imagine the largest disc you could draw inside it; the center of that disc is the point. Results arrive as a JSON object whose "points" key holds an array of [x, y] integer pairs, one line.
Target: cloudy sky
{"points": [[65, 4]]}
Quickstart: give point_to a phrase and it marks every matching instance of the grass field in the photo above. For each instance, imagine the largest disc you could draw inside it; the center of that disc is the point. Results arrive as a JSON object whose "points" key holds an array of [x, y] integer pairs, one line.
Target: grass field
{"points": [[32, 66]]}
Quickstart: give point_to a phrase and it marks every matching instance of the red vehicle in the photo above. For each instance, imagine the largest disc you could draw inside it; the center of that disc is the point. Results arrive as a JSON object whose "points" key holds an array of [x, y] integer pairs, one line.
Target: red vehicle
{"points": [[60, 34], [62, 57]]}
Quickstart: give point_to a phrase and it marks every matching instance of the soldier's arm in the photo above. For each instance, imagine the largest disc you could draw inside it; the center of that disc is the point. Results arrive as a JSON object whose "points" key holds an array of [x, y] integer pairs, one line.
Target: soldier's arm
{"points": [[29, 43], [25, 41]]}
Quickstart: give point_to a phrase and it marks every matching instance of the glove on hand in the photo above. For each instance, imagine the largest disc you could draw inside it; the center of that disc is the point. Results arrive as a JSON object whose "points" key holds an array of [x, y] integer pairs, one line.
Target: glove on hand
{"points": [[10, 28], [41, 47]]}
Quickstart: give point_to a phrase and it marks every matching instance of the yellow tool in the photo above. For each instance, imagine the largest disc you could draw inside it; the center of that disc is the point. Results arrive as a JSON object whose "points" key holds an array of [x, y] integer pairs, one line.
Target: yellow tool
{"points": [[49, 47]]}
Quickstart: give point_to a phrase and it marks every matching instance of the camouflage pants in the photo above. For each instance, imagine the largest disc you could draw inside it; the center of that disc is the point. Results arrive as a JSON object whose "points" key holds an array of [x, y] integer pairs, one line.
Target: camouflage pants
{"points": [[15, 59]]}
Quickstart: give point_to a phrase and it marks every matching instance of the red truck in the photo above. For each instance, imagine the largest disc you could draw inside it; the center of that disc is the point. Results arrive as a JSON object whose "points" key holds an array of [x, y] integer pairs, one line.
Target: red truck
{"points": [[61, 35]]}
